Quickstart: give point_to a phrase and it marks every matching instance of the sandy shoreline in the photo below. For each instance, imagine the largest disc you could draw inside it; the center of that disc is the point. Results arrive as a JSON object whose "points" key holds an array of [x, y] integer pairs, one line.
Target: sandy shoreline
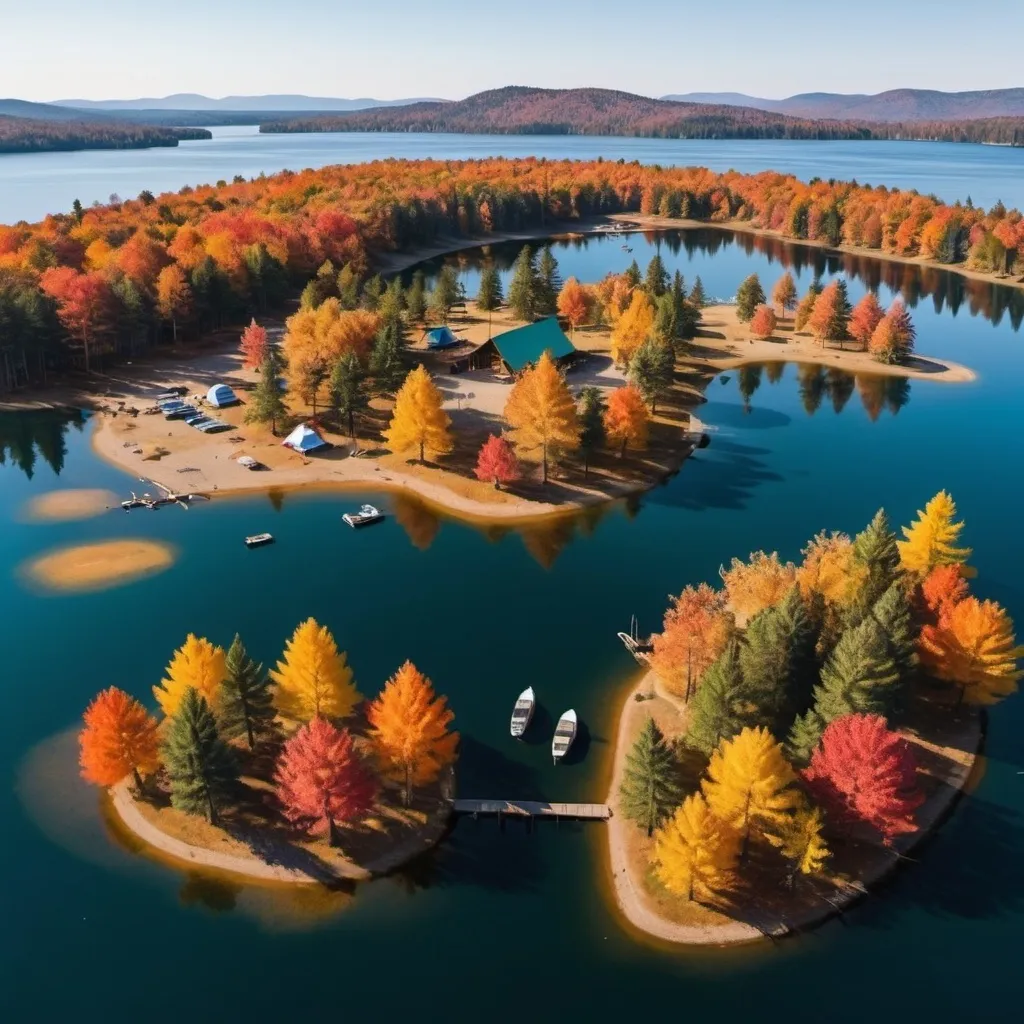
{"points": [[635, 904]]}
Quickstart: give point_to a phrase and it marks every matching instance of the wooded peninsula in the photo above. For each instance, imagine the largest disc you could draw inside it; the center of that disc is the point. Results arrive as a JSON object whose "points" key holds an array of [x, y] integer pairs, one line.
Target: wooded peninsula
{"points": [[31, 135]]}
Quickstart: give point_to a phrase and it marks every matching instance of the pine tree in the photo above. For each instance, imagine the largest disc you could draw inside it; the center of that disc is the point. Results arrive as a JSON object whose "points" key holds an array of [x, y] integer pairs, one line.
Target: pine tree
{"points": [[696, 853], [197, 664], [418, 418], [489, 297], [548, 284], [416, 299], [541, 413], [875, 549], [522, 290], [391, 307], [893, 613], [749, 296], [806, 306], [721, 707], [313, 678], [386, 366], [591, 421], [698, 297], [447, 292], [372, 292], [665, 322], [632, 275], [246, 705], [751, 787], [267, 404], [656, 279], [931, 538], [348, 388], [652, 370], [201, 767], [348, 287], [804, 737], [649, 789]]}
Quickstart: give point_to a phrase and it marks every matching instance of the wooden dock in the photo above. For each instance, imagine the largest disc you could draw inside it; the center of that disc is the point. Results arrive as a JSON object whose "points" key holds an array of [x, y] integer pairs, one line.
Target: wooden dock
{"points": [[533, 809]]}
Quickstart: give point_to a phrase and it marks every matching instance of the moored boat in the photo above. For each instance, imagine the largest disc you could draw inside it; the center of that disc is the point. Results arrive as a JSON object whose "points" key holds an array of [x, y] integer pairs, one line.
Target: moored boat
{"points": [[258, 540], [565, 733], [366, 515], [523, 712]]}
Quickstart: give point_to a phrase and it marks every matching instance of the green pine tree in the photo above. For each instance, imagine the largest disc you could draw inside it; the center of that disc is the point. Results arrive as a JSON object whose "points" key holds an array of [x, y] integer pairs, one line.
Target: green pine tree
{"points": [[649, 790], [312, 295], [749, 296], [245, 705], [446, 294], [698, 298], [267, 404], [656, 279], [804, 737], [875, 549], [372, 292], [839, 328], [348, 388], [386, 366], [391, 307], [652, 370], [720, 708], [522, 290], [666, 323], [201, 767], [802, 628], [416, 299], [633, 274], [592, 432], [489, 297], [348, 287], [893, 613], [549, 284]]}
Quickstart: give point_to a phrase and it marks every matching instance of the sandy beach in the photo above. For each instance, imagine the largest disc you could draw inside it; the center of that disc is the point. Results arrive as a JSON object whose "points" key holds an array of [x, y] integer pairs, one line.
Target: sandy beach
{"points": [[947, 751]]}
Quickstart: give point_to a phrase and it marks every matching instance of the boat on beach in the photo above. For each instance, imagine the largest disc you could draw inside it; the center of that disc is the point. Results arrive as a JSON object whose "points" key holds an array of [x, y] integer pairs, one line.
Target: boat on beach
{"points": [[257, 540], [565, 733], [366, 515], [523, 712]]}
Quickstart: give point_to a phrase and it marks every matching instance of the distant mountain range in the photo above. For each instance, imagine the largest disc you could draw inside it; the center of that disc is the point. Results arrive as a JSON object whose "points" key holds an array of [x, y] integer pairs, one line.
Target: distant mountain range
{"points": [[195, 101], [894, 105]]}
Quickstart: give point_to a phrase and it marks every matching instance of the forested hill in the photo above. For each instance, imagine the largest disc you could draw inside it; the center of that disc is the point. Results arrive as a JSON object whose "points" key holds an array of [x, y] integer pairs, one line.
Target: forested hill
{"points": [[518, 110], [526, 111], [30, 135]]}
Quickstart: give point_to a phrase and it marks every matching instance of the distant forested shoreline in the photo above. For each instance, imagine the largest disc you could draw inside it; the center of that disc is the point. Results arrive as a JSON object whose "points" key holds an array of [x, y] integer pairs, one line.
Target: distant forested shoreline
{"points": [[25, 135]]}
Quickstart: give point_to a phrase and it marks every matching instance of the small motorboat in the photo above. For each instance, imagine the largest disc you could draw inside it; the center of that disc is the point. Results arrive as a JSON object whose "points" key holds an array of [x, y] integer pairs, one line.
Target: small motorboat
{"points": [[523, 712], [565, 733], [366, 515], [257, 540]]}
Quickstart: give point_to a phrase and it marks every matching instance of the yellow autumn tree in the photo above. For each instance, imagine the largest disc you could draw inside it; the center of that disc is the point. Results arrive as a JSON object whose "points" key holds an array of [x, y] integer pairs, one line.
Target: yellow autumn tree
{"points": [[418, 419], [409, 729], [632, 327], [198, 664], [830, 569], [695, 853], [752, 787], [803, 843], [973, 645], [759, 583], [541, 414], [931, 538], [626, 419], [313, 678]]}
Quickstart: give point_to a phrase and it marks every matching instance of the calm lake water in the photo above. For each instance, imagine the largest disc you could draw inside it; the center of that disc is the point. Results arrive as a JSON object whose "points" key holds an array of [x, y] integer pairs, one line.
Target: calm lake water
{"points": [[484, 613], [32, 185]]}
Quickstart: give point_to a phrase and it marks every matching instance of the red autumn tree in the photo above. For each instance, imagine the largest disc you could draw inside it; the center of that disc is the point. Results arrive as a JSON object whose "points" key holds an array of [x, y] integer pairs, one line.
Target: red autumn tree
{"points": [[573, 303], [862, 771], [763, 322], [321, 781], [942, 587], [119, 739], [893, 338], [864, 319], [254, 346], [497, 462], [84, 304]]}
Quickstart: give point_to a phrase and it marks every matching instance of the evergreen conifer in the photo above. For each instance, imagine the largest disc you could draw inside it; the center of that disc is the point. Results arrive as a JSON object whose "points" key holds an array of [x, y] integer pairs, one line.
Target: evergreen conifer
{"points": [[720, 708], [245, 706], [649, 789], [522, 291]]}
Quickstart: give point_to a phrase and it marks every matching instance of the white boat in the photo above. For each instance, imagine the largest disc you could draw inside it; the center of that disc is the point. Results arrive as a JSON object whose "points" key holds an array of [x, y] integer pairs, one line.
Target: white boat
{"points": [[523, 712], [565, 733], [258, 540], [366, 515], [640, 649]]}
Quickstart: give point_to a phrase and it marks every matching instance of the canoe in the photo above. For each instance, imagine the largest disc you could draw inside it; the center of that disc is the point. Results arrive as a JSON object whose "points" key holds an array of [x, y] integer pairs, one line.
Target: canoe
{"points": [[523, 712], [258, 540], [565, 733]]}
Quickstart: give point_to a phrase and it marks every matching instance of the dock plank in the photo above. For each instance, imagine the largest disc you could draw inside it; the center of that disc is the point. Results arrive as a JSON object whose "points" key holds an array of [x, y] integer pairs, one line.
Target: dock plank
{"points": [[533, 808]]}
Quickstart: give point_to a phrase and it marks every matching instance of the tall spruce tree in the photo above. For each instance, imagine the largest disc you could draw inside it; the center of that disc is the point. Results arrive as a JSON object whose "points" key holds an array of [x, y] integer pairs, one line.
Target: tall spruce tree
{"points": [[348, 388], [804, 737], [893, 613], [416, 299], [201, 767], [633, 274], [666, 326], [245, 705], [650, 790], [489, 297], [386, 366], [656, 279], [592, 432], [549, 284], [802, 626], [698, 297], [447, 292], [875, 549], [720, 708], [267, 402], [652, 370], [522, 290], [749, 296]]}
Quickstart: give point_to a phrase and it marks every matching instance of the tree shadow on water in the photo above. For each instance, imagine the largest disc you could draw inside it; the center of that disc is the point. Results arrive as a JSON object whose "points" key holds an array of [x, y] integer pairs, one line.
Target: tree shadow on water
{"points": [[486, 773]]}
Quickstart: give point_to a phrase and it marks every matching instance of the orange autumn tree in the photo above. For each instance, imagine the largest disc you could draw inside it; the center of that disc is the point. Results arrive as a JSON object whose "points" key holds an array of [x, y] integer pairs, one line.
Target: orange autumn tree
{"points": [[760, 583], [418, 419], [197, 664], [784, 293], [696, 629], [831, 569], [763, 322], [943, 586], [866, 316], [573, 303], [626, 419], [409, 730], [119, 739], [173, 296]]}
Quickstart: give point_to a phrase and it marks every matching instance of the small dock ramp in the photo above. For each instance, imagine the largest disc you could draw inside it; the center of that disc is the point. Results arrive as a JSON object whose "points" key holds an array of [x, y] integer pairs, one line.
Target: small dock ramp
{"points": [[533, 809]]}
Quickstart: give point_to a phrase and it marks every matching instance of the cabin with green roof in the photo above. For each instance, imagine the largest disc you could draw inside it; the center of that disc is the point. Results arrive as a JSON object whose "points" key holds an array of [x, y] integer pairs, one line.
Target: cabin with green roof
{"points": [[522, 347]]}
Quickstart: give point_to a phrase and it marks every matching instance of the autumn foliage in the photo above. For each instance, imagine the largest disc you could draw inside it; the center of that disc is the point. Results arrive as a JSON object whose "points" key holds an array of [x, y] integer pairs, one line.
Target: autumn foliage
{"points": [[497, 462], [119, 739], [254, 346], [764, 322], [418, 420], [696, 853], [197, 664], [626, 419], [313, 679], [757, 584]]}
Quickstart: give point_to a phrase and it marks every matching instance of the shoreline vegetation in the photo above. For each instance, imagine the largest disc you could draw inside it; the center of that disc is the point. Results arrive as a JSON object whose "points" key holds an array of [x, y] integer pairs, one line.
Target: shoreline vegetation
{"points": [[282, 776], [32, 135], [887, 663]]}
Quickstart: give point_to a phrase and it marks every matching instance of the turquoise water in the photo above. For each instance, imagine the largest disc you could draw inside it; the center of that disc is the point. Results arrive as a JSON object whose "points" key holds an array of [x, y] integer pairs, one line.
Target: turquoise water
{"points": [[33, 185], [484, 614]]}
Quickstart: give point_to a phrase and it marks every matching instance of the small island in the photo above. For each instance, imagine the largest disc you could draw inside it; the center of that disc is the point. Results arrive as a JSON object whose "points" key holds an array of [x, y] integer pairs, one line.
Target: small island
{"points": [[284, 776], [800, 729]]}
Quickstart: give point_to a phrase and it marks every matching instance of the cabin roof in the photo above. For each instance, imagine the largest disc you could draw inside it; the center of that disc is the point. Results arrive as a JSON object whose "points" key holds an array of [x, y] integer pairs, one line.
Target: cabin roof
{"points": [[525, 345]]}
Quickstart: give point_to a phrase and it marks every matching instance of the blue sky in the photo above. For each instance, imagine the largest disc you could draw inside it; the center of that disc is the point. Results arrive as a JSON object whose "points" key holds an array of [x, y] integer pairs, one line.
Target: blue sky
{"points": [[52, 49]]}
